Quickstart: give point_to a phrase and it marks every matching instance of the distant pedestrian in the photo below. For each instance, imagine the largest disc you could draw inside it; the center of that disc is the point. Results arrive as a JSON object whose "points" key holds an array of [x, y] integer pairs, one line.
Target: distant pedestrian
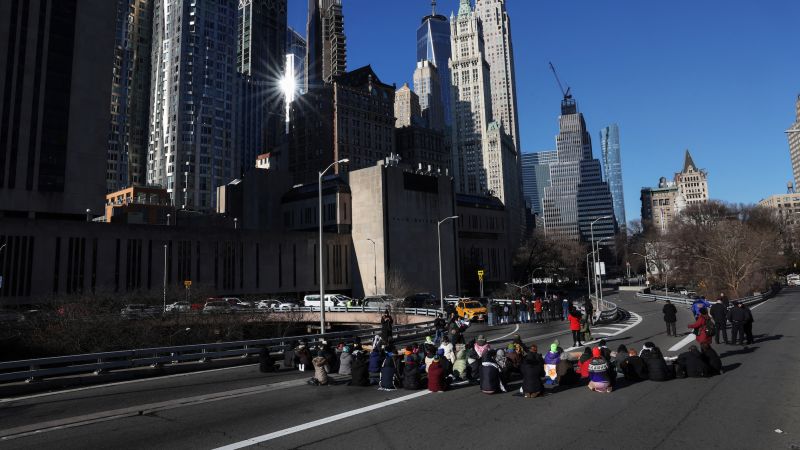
{"points": [[575, 326], [589, 308], [441, 327], [748, 323], [565, 306], [586, 330], [537, 308], [514, 309], [386, 327], [737, 316], [670, 317], [719, 313]]}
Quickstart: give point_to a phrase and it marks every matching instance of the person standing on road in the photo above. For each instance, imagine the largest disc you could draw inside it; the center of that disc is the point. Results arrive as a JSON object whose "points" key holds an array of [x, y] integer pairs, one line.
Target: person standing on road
{"points": [[565, 307], [575, 326], [703, 327], [523, 310], [587, 305], [441, 326], [719, 314], [670, 317], [748, 323], [737, 316], [537, 308], [724, 300], [514, 309], [696, 305], [386, 327], [586, 330]]}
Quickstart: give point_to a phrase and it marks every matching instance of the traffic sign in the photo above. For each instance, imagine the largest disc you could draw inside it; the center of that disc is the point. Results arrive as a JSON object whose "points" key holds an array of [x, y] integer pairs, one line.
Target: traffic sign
{"points": [[187, 283], [480, 274]]}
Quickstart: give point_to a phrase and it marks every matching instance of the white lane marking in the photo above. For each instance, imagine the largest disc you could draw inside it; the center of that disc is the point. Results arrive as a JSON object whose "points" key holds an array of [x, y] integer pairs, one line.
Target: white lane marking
{"points": [[683, 342], [120, 383], [316, 423], [637, 319], [506, 335], [765, 301]]}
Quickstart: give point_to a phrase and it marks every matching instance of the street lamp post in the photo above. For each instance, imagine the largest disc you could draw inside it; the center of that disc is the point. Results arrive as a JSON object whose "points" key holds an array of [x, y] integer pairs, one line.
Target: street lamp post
{"points": [[594, 256], [374, 264], [321, 266], [599, 292], [439, 242], [589, 272], [165, 277]]}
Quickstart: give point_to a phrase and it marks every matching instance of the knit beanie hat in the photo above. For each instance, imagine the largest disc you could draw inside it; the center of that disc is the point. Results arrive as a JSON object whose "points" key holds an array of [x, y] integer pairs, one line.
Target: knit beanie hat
{"points": [[346, 349], [554, 347], [596, 352]]}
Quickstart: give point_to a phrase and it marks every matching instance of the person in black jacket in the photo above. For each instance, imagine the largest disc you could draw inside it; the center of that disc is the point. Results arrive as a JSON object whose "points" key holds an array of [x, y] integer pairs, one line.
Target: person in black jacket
{"points": [[490, 374], [692, 363], [657, 369], [748, 324], [532, 368], [265, 362], [737, 316], [634, 368], [411, 377], [670, 317], [718, 313], [359, 370], [711, 358]]}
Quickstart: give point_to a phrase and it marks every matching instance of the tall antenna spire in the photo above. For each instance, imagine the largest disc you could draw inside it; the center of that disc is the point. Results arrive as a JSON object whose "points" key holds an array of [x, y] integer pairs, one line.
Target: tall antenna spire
{"points": [[433, 7]]}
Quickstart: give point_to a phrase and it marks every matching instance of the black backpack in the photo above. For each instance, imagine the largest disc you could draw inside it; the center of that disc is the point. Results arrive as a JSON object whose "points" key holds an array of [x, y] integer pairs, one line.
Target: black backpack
{"points": [[710, 327]]}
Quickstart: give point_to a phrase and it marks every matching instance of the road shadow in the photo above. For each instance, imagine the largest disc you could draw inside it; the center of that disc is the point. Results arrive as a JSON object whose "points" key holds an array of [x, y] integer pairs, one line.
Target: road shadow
{"points": [[730, 367], [740, 351], [766, 338]]}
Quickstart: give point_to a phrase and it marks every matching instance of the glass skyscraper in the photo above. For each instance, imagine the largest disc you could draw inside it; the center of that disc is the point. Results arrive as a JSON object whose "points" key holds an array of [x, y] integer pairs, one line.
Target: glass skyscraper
{"points": [[612, 169], [536, 176], [433, 44]]}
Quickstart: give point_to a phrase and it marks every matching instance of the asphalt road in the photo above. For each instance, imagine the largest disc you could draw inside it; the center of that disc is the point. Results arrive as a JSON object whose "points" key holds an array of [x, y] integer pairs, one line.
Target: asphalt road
{"points": [[740, 409]]}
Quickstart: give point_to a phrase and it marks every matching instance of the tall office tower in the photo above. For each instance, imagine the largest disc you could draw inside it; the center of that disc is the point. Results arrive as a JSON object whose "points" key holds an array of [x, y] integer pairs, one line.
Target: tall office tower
{"points": [[433, 44], [261, 58], [471, 102], [428, 87], [326, 57], [194, 83], [536, 176], [793, 134], [612, 168], [577, 195], [692, 182], [499, 54], [406, 107], [54, 118], [130, 95], [296, 47]]}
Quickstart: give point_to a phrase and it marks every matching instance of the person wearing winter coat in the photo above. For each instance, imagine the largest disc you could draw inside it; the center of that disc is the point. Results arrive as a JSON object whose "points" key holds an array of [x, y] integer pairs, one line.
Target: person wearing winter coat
{"points": [[698, 304], [476, 354], [575, 326], [670, 317], [551, 360], [375, 363], [436, 376], [330, 356], [345, 361], [303, 357], [589, 308], [447, 346], [719, 313], [460, 365], [657, 369], [513, 359], [491, 381], [411, 377], [599, 380], [386, 326], [700, 326], [748, 324], [566, 373], [583, 363], [532, 368], [359, 370], [691, 364], [711, 358], [320, 372], [265, 362], [388, 378], [633, 367], [621, 356], [586, 331]]}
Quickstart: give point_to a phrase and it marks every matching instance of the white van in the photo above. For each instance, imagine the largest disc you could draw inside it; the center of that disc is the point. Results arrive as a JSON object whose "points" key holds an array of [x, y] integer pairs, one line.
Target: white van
{"points": [[331, 300]]}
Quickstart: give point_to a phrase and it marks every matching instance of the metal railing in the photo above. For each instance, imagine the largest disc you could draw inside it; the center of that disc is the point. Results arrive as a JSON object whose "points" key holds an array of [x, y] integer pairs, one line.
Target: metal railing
{"points": [[97, 363], [752, 300]]}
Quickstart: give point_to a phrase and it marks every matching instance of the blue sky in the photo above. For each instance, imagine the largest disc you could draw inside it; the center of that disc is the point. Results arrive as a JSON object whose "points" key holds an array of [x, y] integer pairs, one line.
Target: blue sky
{"points": [[718, 77]]}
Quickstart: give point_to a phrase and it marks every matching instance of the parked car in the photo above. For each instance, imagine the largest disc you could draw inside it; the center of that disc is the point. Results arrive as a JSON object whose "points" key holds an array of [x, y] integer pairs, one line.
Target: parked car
{"points": [[330, 300], [179, 307], [471, 310], [235, 303], [138, 311], [217, 307], [267, 304], [380, 301], [9, 315], [421, 300]]}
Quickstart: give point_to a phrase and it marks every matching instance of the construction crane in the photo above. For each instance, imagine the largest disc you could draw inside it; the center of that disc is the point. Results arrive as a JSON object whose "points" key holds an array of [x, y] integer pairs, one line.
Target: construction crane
{"points": [[566, 93]]}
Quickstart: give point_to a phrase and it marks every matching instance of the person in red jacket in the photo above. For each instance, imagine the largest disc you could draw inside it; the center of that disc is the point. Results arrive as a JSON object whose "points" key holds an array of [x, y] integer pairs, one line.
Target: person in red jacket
{"points": [[537, 309], [700, 326], [436, 376], [575, 326], [583, 363]]}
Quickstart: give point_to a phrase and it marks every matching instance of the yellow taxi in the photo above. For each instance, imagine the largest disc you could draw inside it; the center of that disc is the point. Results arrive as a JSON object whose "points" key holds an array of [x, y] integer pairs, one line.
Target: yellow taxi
{"points": [[470, 309]]}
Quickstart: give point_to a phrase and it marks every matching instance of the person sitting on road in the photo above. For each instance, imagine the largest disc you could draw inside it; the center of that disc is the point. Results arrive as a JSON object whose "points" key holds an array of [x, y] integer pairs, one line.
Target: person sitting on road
{"points": [[565, 369], [633, 367], [575, 326], [359, 370], [303, 357], [375, 363], [477, 352], [436, 375], [388, 377], [583, 363], [447, 346], [620, 357], [532, 368], [345, 361], [551, 360], [704, 327], [691, 364], [519, 346], [447, 367], [599, 380], [320, 374], [266, 363], [500, 359], [490, 379], [711, 358], [411, 377], [657, 369], [460, 365], [513, 359]]}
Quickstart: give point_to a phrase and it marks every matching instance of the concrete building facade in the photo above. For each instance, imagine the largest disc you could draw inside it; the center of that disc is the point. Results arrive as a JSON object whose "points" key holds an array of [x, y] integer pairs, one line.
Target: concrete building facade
{"points": [[423, 148], [787, 210], [54, 92], [661, 205], [793, 135], [692, 182], [406, 107]]}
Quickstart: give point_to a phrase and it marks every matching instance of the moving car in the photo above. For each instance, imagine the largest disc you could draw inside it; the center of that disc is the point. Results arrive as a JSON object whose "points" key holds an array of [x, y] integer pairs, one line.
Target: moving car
{"points": [[217, 307], [471, 310], [331, 300], [379, 301], [179, 307]]}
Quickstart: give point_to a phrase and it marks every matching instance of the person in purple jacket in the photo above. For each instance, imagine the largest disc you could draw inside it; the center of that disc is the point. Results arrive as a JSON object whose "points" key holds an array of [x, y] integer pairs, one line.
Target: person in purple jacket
{"points": [[598, 372], [551, 360]]}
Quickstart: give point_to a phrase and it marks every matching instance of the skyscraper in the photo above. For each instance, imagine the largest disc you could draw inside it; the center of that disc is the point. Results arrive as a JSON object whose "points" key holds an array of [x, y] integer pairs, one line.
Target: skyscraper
{"points": [[296, 47], [406, 107], [499, 53], [691, 181], [471, 102], [192, 102], [536, 176], [612, 168], [433, 44], [428, 87], [130, 95], [326, 57], [54, 119], [793, 134], [577, 194]]}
